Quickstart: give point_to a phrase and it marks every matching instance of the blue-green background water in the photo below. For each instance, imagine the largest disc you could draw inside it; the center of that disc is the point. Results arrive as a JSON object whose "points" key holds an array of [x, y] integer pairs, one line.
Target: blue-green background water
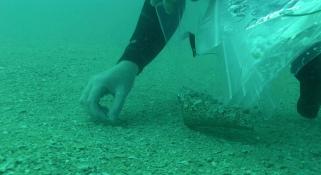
{"points": [[67, 21], [49, 50]]}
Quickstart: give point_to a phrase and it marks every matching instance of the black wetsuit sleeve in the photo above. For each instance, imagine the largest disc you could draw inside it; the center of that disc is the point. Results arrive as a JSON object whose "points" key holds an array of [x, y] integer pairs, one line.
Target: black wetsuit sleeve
{"points": [[147, 40]]}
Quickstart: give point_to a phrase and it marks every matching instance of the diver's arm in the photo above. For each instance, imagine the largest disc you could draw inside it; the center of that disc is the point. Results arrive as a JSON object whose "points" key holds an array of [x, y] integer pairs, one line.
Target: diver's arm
{"points": [[147, 40], [145, 44]]}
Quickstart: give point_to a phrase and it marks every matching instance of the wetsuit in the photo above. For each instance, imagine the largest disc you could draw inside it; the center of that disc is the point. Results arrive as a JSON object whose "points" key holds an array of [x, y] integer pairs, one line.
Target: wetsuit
{"points": [[309, 77], [148, 40]]}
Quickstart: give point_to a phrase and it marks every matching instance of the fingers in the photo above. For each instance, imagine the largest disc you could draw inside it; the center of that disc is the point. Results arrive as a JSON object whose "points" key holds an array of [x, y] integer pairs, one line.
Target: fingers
{"points": [[117, 105], [113, 83], [94, 108], [85, 93], [98, 112], [90, 100]]}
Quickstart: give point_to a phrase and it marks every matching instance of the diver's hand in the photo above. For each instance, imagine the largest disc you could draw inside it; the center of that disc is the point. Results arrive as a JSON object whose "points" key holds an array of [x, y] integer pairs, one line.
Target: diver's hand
{"points": [[118, 81], [169, 5]]}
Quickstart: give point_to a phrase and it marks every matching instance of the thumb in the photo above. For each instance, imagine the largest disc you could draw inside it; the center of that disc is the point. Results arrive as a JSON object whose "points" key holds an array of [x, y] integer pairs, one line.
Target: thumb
{"points": [[117, 105]]}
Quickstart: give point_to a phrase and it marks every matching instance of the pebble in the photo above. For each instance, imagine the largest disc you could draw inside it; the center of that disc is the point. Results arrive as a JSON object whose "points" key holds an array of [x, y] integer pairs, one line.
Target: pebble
{"points": [[6, 166], [105, 173], [184, 162], [210, 159], [8, 108], [283, 167], [269, 165], [245, 149], [2, 159], [214, 164], [132, 157], [23, 126], [80, 147], [84, 167], [147, 173], [248, 172], [220, 110], [197, 102]]}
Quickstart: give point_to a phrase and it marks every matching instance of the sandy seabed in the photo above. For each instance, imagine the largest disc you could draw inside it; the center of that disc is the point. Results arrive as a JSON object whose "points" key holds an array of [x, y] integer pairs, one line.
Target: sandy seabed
{"points": [[44, 130]]}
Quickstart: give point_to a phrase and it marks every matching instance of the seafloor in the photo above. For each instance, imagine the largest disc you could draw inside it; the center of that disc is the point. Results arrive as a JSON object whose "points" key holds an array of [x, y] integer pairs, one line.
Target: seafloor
{"points": [[44, 130]]}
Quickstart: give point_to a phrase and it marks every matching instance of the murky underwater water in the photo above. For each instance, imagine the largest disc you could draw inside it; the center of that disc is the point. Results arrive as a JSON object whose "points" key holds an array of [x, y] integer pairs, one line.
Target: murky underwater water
{"points": [[49, 50]]}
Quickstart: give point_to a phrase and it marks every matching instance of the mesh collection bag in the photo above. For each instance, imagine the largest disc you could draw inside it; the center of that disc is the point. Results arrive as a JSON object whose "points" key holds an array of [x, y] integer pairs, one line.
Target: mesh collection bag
{"points": [[257, 44]]}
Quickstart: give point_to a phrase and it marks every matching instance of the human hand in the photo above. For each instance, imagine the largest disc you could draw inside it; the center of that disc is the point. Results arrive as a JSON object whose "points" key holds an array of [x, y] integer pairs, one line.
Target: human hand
{"points": [[118, 81]]}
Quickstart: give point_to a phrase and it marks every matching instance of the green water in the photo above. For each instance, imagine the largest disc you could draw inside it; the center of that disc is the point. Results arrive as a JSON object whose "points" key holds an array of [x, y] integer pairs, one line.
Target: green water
{"points": [[61, 21], [49, 50]]}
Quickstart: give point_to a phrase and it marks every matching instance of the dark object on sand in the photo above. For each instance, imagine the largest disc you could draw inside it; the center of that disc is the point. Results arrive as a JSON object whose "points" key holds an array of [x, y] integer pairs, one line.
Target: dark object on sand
{"points": [[202, 112]]}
